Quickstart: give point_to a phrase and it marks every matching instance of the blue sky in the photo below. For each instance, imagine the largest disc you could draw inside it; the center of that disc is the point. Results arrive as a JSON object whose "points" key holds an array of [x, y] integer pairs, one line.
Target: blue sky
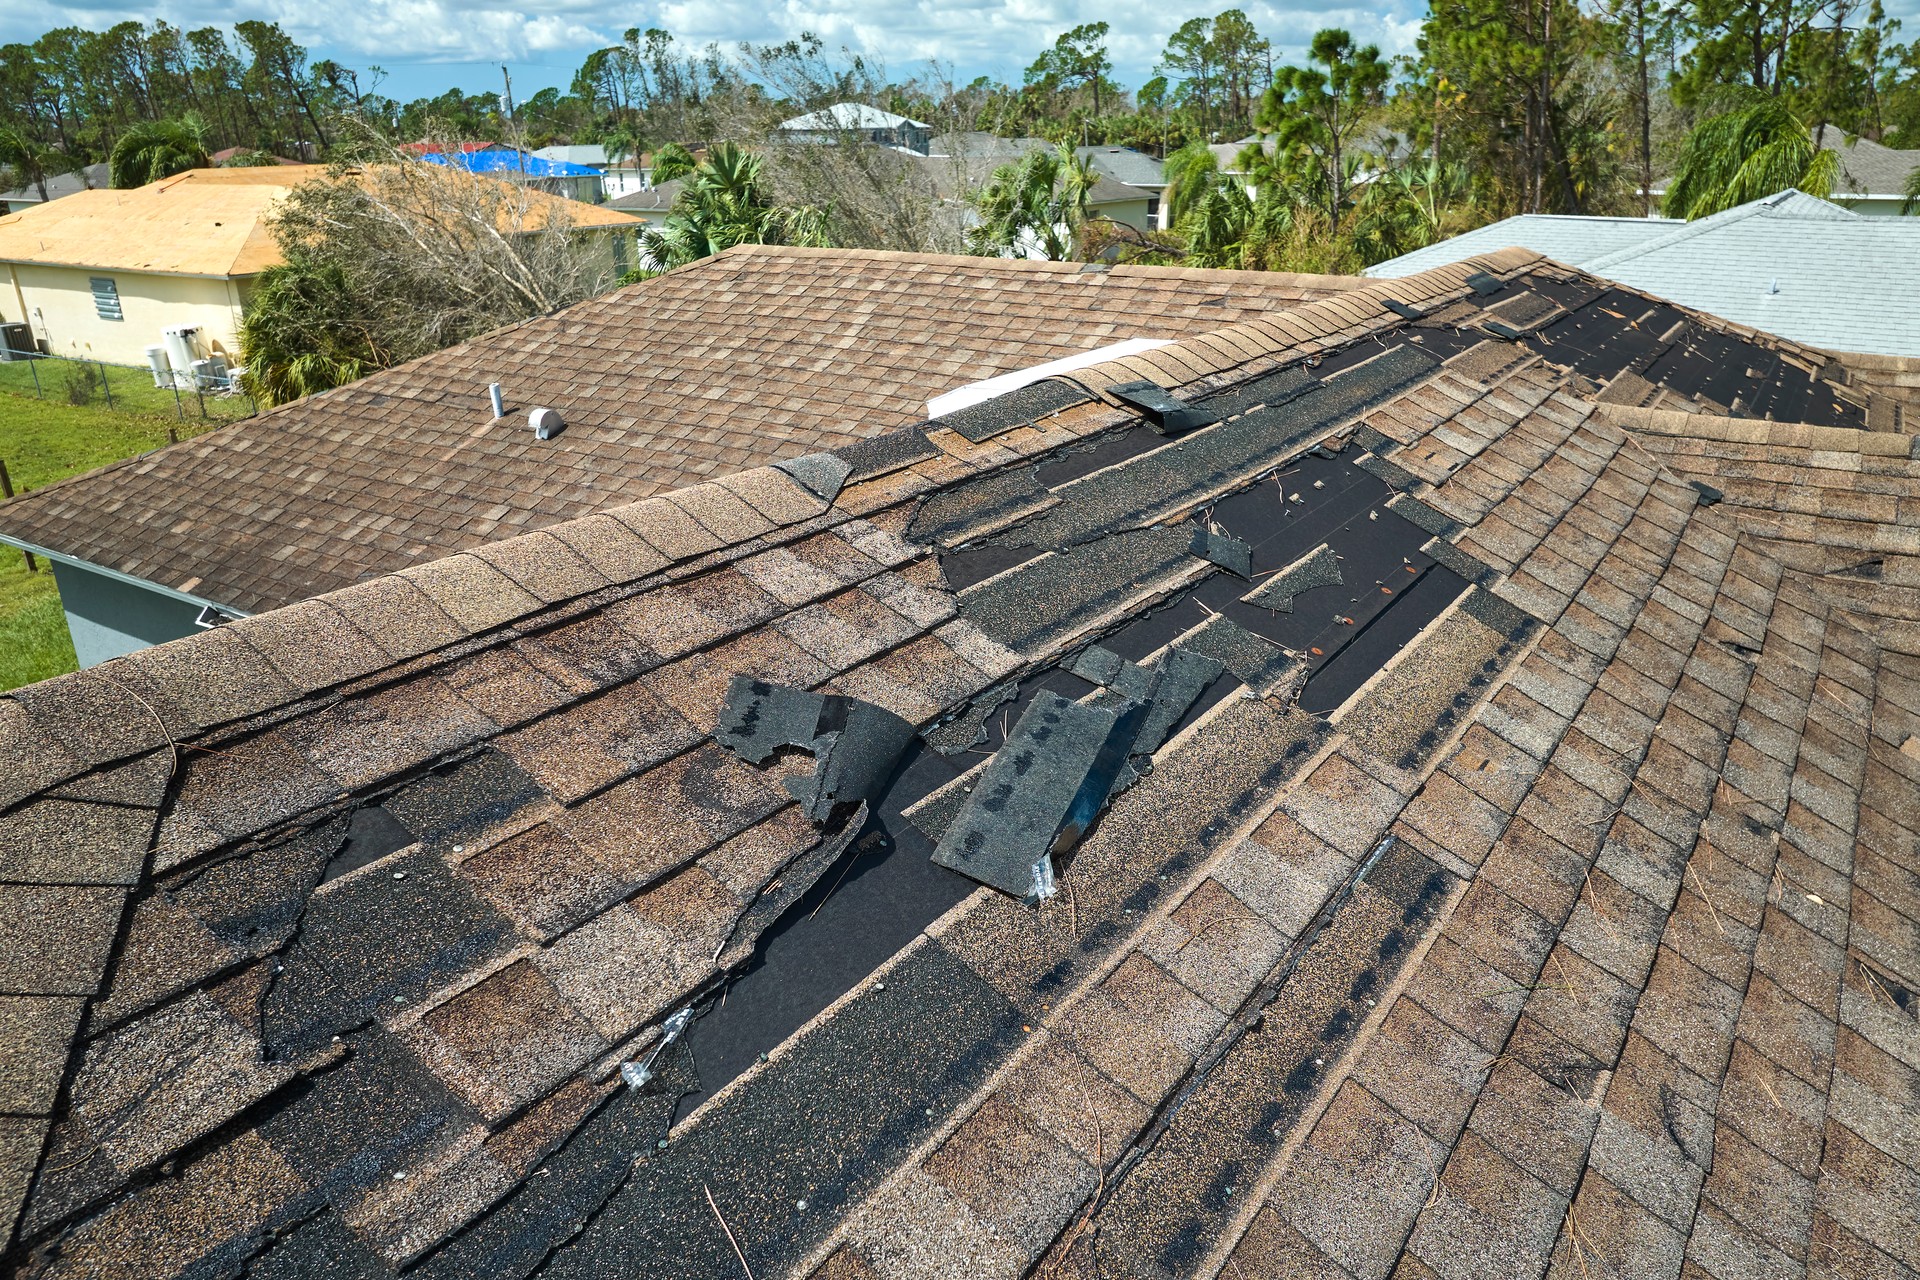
{"points": [[428, 46]]}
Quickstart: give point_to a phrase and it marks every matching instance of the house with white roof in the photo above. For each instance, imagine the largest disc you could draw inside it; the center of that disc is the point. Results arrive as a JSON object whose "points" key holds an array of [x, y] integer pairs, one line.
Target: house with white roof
{"points": [[831, 124]]}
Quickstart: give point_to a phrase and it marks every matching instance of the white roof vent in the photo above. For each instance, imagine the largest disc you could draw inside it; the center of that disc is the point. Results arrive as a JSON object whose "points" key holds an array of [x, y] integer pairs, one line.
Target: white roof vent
{"points": [[986, 389], [546, 423]]}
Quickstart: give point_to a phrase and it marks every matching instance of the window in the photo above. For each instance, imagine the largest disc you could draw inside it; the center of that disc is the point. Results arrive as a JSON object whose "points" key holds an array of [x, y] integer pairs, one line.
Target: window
{"points": [[106, 298]]}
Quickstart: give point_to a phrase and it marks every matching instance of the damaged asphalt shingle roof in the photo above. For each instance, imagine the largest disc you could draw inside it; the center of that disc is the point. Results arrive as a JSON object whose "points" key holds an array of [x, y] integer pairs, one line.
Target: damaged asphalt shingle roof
{"points": [[1579, 939], [755, 354]]}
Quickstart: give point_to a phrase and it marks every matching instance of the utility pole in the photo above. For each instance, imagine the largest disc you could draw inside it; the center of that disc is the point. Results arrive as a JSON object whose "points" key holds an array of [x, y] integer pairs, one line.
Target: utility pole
{"points": [[506, 107]]}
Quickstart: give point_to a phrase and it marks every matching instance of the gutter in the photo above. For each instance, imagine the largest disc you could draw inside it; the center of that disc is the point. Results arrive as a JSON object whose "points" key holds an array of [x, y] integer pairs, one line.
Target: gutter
{"points": [[13, 263], [127, 579]]}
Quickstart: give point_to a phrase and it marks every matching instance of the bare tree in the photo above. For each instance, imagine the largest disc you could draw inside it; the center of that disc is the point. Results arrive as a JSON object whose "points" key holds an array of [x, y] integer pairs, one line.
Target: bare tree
{"points": [[389, 258]]}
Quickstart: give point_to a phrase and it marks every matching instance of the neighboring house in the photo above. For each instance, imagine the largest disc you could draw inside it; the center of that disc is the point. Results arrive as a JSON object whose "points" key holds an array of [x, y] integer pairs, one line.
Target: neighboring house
{"points": [[618, 178], [1873, 179], [856, 119], [1123, 165], [105, 274], [650, 205], [557, 177], [1790, 264], [60, 184], [1426, 824], [957, 176], [1135, 169], [756, 354], [102, 274]]}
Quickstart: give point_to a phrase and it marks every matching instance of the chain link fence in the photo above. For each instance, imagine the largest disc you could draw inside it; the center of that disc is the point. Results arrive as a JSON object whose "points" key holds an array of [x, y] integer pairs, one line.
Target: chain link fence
{"points": [[126, 388]]}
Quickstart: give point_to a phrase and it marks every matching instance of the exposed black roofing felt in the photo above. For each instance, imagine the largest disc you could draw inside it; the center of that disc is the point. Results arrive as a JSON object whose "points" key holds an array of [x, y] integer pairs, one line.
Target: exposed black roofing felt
{"points": [[500, 945]]}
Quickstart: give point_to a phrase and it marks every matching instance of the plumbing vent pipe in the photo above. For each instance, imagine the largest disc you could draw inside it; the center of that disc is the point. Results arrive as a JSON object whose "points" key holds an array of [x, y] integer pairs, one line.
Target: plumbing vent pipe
{"points": [[546, 423], [499, 401]]}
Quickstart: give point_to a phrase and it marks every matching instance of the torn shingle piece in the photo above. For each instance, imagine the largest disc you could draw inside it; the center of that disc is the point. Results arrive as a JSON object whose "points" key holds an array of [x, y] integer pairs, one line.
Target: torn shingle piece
{"points": [[1039, 793], [1253, 660], [1182, 675], [759, 718], [855, 744], [821, 474], [1167, 412], [887, 452], [1218, 547], [1097, 664], [1318, 568], [967, 728], [1016, 408]]}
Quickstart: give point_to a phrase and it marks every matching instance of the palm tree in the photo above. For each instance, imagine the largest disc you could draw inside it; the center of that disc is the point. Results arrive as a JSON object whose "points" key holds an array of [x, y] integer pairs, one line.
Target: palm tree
{"points": [[722, 204], [156, 149], [1191, 172], [672, 161], [622, 143], [31, 163], [1034, 207], [295, 337], [1745, 154]]}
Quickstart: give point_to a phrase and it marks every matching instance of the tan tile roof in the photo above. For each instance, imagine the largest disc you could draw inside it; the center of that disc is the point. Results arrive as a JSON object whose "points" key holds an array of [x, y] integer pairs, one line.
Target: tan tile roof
{"points": [[1576, 937], [754, 355], [206, 222]]}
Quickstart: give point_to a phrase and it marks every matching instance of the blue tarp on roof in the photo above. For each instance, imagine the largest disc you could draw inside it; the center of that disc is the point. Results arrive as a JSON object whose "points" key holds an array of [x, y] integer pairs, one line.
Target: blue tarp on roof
{"points": [[507, 160]]}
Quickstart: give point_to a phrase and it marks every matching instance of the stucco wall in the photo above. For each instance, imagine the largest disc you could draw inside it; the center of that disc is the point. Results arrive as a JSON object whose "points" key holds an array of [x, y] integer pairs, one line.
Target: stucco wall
{"points": [[108, 617], [59, 306]]}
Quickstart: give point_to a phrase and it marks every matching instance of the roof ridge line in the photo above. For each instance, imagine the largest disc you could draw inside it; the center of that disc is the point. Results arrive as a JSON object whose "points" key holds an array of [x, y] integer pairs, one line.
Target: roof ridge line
{"points": [[1342, 318]]}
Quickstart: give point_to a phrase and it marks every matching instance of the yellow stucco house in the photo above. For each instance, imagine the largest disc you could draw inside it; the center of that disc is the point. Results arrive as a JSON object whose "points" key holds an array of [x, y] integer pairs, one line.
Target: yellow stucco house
{"points": [[104, 274]]}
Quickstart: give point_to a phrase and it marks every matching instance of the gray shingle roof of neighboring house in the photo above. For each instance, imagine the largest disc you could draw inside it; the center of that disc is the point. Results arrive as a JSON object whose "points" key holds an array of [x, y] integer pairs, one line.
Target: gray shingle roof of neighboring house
{"points": [[1867, 168], [649, 199], [1791, 264], [60, 184], [1124, 164], [1566, 238]]}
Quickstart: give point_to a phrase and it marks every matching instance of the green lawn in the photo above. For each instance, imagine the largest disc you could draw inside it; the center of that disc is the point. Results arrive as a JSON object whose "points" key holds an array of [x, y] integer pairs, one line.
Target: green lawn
{"points": [[42, 441], [132, 390]]}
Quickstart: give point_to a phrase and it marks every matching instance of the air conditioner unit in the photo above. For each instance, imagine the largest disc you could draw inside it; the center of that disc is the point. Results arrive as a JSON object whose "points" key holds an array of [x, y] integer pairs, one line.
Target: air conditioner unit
{"points": [[16, 341]]}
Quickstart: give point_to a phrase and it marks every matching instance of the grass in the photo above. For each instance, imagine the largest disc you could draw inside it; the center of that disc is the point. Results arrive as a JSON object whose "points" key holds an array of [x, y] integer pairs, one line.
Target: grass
{"points": [[33, 631], [46, 440]]}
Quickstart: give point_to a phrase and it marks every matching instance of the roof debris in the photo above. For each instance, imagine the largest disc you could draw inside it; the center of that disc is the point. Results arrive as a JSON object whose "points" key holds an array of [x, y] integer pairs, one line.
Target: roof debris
{"points": [[855, 744]]}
